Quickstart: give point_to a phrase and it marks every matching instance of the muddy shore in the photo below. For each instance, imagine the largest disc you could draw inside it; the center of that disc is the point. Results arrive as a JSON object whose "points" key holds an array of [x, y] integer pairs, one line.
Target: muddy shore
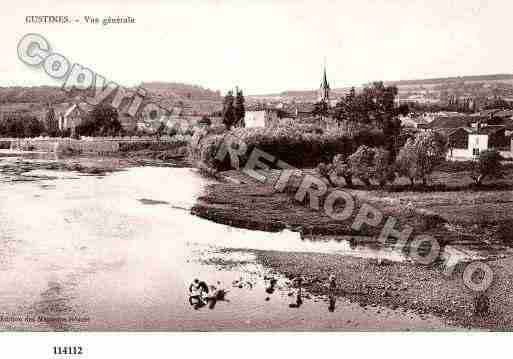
{"points": [[397, 285]]}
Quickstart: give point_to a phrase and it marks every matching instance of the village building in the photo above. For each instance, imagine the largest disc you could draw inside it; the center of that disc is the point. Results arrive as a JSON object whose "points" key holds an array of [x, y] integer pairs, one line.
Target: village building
{"points": [[324, 89], [261, 117], [72, 118], [468, 142], [469, 135]]}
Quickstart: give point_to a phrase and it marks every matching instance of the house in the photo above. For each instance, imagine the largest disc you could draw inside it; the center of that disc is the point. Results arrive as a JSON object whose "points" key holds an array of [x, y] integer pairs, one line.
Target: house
{"points": [[468, 142], [413, 120], [262, 117], [450, 122], [304, 110], [500, 117], [72, 118], [255, 118]]}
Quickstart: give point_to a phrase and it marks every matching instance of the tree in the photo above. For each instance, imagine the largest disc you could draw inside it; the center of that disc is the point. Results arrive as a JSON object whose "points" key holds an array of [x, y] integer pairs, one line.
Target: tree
{"points": [[343, 169], [369, 163], [51, 122], [21, 126], [324, 170], [240, 110], [102, 120], [339, 167], [33, 127], [382, 171], [362, 162], [320, 109], [421, 154], [375, 105], [406, 162], [488, 165], [229, 118]]}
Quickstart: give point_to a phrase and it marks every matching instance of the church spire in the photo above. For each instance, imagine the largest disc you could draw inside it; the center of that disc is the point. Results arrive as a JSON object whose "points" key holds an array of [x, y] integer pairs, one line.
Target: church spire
{"points": [[324, 90]]}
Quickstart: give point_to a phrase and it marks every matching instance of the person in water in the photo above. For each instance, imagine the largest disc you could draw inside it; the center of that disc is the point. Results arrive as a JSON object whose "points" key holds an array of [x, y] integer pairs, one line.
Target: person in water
{"points": [[332, 291], [216, 293], [298, 283], [197, 290], [271, 284], [197, 287]]}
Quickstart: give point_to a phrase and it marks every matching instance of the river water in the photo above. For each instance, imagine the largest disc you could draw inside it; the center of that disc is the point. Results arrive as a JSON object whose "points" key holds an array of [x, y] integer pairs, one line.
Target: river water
{"points": [[118, 252]]}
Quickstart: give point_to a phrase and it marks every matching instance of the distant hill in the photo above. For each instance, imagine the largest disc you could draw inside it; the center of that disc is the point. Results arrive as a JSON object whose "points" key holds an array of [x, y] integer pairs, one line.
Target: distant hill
{"points": [[194, 98], [181, 91], [36, 94], [449, 80], [424, 90]]}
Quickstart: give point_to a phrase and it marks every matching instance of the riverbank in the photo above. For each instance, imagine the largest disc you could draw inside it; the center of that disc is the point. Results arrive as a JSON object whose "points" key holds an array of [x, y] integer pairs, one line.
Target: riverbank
{"points": [[463, 218], [17, 166], [454, 213], [399, 286]]}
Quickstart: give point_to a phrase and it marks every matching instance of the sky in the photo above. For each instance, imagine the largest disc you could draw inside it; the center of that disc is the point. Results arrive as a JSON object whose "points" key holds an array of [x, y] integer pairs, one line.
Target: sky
{"points": [[266, 46]]}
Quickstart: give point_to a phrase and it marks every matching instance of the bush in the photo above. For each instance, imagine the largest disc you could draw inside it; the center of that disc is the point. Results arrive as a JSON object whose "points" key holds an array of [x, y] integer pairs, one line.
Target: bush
{"points": [[287, 143], [488, 165], [342, 168], [383, 172], [369, 163], [420, 155], [362, 163], [324, 170]]}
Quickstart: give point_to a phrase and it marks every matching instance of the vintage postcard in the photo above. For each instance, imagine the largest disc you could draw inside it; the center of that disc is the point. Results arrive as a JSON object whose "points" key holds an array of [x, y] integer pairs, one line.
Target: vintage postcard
{"points": [[251, 166]]}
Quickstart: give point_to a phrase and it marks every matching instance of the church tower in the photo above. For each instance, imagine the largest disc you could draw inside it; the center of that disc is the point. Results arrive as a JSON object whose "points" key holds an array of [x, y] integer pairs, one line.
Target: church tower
{"points": [[324, 90]]}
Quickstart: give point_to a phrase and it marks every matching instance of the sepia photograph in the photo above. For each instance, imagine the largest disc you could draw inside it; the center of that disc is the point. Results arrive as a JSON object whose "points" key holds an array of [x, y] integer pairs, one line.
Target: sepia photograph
{"points": [[255, 166]]}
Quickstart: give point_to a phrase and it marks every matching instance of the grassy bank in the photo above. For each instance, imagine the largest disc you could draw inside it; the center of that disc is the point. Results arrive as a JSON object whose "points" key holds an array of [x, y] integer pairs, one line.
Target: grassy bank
{"points": [[450, 209]]}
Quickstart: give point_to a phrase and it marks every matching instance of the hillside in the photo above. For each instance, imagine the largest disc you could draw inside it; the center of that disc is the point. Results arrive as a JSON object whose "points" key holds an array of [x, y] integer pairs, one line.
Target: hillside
{"points": [[424, 90], [191, 97], [181, 91]]}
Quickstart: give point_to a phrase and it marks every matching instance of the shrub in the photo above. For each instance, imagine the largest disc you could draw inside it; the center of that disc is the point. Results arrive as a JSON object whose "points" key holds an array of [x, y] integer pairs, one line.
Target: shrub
{"points": [[343, 169], [488, 165], [383, 172], [287, 143], [362, 163], [369, 163], [324, 170], [420, 155], [406, 162]]}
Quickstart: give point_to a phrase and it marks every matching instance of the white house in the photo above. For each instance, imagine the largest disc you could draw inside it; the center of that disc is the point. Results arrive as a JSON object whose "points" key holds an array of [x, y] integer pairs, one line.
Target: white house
{"points": [[71, 118], [468, 143], [255, 118]]}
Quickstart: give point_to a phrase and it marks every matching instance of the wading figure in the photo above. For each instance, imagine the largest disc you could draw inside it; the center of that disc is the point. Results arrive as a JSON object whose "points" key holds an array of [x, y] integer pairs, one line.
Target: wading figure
{"points": [[216, 294], [271, 284], [197, 290], [332, 293], [298, 283]]}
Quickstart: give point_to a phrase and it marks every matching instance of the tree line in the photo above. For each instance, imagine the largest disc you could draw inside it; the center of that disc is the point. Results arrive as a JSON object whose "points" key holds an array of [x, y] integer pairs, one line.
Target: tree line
{"points": [[101, 120]]}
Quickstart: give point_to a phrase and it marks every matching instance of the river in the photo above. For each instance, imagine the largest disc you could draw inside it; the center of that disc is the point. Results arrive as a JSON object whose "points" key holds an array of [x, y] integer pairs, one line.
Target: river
{"points": [[118, 252]]}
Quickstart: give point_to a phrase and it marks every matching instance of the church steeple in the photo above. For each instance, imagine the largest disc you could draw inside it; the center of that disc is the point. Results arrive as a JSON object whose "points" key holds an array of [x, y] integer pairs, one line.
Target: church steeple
{"points": [[324, 90]]}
